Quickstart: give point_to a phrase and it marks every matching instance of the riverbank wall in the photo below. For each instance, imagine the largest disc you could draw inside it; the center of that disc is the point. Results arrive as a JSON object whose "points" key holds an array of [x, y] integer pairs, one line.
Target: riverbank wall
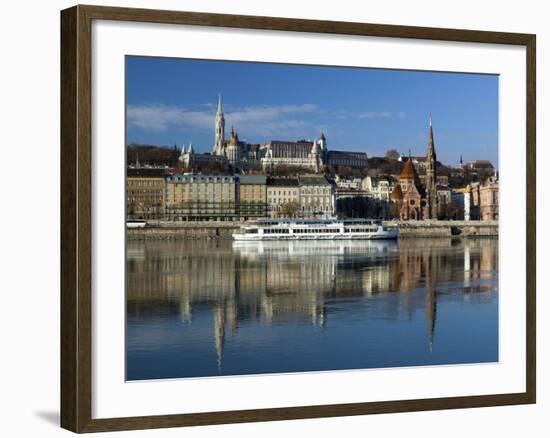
{"points": [[224, 230], [184, 231], [412, 229]]}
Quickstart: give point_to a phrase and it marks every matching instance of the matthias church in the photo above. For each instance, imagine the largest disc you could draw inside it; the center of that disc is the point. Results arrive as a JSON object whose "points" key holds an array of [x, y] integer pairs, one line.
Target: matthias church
{"points": [[241, 156]]}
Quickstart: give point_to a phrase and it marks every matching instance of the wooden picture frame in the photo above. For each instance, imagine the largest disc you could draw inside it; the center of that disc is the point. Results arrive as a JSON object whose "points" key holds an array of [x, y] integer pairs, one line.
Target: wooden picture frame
{"points": [[76, 217]]}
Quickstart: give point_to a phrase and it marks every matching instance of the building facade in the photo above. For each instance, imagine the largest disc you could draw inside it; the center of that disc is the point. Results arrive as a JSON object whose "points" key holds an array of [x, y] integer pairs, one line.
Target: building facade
{"points": [[380, 188], [189, 159], [198, 197], [411, 200], [145, 193], [483, 200], [312, 155], [252, 197], [317, 195], [306, 154], [283, 197], [488, 195], [353, 160]]}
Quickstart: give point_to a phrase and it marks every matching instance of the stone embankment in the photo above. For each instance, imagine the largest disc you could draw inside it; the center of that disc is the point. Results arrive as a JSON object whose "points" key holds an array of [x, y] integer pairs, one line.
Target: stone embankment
{"points": [[224, 230], [184, 230], [444, 228]]}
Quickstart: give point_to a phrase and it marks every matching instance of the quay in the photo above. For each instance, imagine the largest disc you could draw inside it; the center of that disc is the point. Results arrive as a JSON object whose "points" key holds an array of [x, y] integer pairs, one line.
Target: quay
{"points": [[444, 228], [224, 230]]}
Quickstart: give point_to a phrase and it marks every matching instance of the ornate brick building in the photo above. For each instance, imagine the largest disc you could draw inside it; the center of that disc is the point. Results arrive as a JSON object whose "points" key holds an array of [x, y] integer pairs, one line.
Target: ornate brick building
{"points": [[411, 200]]}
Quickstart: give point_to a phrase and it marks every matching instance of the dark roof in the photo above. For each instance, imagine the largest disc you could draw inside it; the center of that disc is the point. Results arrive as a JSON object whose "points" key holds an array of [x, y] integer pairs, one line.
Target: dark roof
{"points": [[313, 180], [146, 172], [286, 142], [408, 170], [482, 163], [252, 179], [287, 182], [349, 153]]}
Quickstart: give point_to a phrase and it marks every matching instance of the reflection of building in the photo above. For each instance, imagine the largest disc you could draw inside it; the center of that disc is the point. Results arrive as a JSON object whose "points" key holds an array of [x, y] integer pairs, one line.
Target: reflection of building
{"points": [[276, 282], [145, 191]]}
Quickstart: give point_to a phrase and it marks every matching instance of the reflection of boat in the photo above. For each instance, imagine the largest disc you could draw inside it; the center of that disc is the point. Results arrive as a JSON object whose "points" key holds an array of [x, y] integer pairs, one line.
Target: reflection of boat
{"points": [[313, 248], [136, 223], [314, 229]]}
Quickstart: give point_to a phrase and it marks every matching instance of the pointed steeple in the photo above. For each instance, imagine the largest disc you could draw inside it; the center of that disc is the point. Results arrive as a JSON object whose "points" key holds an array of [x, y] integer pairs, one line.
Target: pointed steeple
{"points": [[183, 149], [190, 151], [431, 176], [220, 110], [219, 129], [431, 145]]}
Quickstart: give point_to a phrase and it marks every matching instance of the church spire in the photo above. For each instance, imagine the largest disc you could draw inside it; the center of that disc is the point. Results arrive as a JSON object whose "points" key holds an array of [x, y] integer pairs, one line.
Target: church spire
{"points": [[219, 129], [431, 175], [431, 144]]}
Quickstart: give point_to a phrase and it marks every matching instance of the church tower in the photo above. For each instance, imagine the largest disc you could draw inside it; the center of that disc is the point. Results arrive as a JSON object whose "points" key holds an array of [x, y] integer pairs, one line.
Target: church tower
{"points": [[431, 179], [219, 129]]}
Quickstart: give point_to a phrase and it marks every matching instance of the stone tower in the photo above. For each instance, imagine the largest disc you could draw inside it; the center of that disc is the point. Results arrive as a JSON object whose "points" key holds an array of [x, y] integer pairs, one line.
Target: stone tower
{"points": [[233, 148], [219, 129], [431, 179]]}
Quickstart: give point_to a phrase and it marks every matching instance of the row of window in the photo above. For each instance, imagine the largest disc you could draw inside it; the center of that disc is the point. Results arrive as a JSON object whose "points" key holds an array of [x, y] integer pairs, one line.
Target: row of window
{"points": [[272, 231], [205, 179], [282, 192], [142, 183], [316, 191]]}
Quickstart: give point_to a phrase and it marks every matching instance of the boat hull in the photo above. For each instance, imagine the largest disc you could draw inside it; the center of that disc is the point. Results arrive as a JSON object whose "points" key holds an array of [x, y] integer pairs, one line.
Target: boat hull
{"points": [[281, 237]]}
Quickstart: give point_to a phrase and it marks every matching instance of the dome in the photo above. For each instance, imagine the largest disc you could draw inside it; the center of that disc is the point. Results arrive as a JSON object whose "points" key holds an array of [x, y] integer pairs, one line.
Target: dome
{"points": [[408, 171]]}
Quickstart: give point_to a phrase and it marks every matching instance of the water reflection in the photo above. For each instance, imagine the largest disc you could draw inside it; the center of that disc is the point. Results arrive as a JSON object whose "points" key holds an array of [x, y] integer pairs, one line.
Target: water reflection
{"points": [[268, 285]]}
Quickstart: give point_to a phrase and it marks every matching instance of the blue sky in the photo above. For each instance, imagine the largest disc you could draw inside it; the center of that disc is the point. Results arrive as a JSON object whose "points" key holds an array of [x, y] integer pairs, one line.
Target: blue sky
{"points": [[174, 101]]}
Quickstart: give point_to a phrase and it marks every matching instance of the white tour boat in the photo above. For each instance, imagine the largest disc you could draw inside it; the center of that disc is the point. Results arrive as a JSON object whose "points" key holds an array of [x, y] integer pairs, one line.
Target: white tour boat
{"points": [[314, 229], [136, 223]]}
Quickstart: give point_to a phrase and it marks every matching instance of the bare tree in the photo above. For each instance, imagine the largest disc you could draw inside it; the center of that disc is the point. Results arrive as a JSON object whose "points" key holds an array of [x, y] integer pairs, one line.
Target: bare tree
{"points": [[290, 209]]}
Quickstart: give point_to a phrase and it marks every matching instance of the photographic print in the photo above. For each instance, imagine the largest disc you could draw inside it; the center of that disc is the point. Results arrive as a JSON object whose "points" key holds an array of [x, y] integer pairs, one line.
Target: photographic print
{"points": [[299, 218]]}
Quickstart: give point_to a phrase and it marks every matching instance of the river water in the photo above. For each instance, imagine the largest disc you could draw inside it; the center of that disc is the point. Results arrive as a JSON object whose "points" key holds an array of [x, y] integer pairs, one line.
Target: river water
{"points": [[210, 308]]}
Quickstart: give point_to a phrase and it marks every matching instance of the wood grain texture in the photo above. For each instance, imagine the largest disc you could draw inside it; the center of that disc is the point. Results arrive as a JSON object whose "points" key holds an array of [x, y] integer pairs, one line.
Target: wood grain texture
{"points": [[531, 220], [69, 328], [76, 219]]}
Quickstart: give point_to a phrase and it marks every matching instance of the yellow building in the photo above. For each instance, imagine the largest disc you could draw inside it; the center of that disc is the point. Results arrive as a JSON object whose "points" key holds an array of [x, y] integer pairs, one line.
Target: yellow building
{"points": [[252, 202], [197, 197], [145, 193]]}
